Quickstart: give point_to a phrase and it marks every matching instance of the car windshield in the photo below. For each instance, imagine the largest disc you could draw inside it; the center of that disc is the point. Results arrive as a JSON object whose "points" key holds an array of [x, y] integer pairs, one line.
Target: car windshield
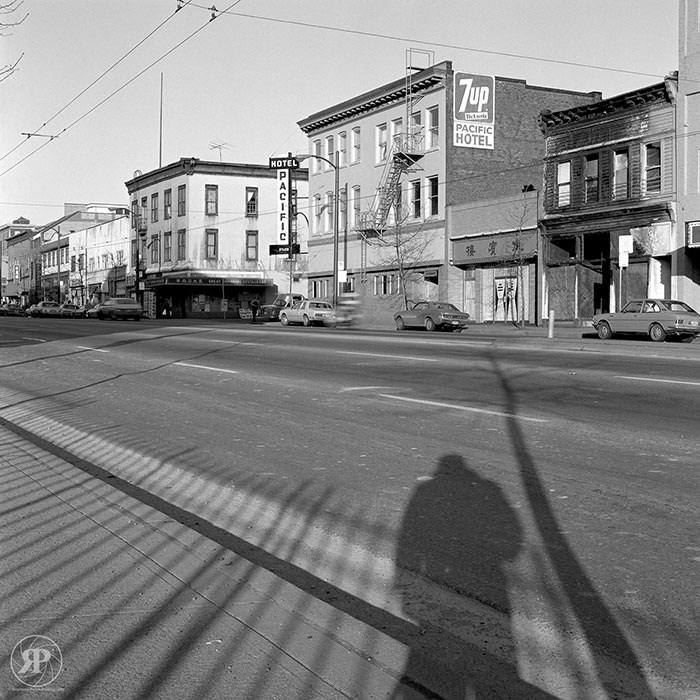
{"points": [[319, 305], [632, 307]]}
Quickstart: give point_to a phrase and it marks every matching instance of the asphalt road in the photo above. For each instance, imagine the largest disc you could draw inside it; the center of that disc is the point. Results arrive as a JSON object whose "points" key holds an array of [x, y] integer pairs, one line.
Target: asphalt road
{"points": [[536, 500]]}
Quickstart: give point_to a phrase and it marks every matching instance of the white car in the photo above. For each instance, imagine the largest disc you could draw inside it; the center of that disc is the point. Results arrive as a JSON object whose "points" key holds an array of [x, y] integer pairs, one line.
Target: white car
{"points": [[308, 312]]}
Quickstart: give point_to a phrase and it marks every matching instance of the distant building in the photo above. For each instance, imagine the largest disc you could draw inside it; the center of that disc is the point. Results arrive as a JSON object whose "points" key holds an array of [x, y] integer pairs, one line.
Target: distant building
{"points": [[202, 231], [18, 257], [56, 245], [420, 161], [609, 220]]}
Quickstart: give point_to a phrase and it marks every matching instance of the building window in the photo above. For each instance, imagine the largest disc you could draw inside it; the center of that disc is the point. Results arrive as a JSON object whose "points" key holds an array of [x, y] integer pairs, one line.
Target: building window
{"points": [[211, 197], [356, 205], [317, 211], [416, 123], [355, 145], [383, 284], [211, 241], [381, 145], [433, 200], [396, 129], [415, 199], [134, 212], [154, 207], [620, 174], [591, 179], [343, 209], [316, 163], [181, 200], [319, 289], [328, 210], [155, 249], [652, 167], [564, 184], [251, 245], [168, 204], [251, 201], [330, 151], [433, 124], [167, 246], [342, 148], [182, 244]]}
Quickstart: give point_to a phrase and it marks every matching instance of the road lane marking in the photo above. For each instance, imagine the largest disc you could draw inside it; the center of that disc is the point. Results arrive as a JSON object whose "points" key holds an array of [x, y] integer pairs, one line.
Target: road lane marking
{"points": [[470, 409], [213, 369], [389, 357], [662, 381], [38, 340], [85, 347]]}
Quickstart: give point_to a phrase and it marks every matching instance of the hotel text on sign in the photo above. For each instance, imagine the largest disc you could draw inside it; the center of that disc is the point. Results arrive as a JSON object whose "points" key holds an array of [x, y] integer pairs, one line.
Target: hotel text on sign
{"points": [[474, 111]]}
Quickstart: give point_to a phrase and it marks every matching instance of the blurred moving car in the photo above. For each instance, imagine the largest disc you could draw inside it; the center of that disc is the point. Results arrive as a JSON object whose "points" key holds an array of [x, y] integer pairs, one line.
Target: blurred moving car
{"points": [[656, 318], [271, 312], [308, 312], [69, 311], [348, 309], [116, 308], [433, 316], [43, 308]]}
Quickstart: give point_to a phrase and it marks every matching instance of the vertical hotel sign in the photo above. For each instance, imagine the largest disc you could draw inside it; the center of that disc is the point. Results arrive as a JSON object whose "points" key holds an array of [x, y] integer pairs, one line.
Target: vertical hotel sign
{"points": [[474, 115], [284, 167]]}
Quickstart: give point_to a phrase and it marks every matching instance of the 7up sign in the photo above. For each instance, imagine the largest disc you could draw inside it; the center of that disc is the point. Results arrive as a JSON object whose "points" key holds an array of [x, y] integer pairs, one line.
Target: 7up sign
{"points": [[474, 118]]}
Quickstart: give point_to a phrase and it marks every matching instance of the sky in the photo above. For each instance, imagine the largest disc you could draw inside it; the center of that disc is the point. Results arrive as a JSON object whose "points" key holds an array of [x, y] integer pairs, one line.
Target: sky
{"points": [[234, 88]]}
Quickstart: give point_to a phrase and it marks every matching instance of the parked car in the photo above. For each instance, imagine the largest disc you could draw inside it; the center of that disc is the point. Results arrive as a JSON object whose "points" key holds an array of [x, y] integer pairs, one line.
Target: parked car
{"points": [[118, 307], [11, 309], [43, 308], [69, 311], [657, 318], [271, 312], [308, 312], [433, 316]]}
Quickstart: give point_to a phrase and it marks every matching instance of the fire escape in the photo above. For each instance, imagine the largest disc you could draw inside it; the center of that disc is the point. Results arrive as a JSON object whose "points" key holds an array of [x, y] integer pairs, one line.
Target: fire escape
{"points": [[405, 150]]}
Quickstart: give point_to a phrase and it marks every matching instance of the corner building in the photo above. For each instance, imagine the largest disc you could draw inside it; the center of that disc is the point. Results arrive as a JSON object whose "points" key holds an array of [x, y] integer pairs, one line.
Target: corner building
{"points": [[431, 173], [201, 232]]}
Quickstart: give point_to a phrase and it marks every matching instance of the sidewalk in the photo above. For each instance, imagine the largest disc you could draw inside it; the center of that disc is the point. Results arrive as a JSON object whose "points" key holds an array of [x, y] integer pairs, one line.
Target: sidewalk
{"points": [[143, 606]]}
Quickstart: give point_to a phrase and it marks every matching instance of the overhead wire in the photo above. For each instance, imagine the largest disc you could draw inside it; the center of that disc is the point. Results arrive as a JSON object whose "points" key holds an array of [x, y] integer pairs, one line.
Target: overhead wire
{"points": [[95, 81]]}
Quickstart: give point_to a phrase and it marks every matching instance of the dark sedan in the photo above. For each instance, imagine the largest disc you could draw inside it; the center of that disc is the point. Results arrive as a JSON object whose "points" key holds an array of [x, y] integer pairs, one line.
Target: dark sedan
{"points": [[433, 316]]}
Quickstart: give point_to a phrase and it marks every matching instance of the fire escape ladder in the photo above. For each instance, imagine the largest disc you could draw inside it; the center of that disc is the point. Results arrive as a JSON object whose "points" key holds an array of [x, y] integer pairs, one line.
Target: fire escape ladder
{"points": [[402, 158]]}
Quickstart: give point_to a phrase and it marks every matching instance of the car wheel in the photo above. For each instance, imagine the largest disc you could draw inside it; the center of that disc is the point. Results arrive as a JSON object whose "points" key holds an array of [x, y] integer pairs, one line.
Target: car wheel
{"points": [[430, 324], [687, 338], [657, 333], [306, 321], [400, 325], [604, 330], [284, 320]]}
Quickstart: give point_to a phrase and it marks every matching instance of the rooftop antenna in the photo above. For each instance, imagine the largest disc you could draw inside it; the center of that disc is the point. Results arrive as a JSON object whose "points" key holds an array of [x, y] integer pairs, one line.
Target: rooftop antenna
{"points": [[220, 146]]}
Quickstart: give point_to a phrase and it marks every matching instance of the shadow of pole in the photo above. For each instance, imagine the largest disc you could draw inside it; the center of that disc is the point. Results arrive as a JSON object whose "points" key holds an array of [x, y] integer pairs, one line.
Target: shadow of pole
{"points": [[602, 633]]}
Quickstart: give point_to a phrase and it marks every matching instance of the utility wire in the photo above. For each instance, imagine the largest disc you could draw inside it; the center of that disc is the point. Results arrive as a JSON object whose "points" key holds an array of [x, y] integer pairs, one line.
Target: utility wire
{"points": [[119, 89], [94, 82]]}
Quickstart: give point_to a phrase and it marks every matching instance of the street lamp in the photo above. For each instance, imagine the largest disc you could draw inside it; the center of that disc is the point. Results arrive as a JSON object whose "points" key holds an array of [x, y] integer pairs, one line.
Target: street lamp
{"points": [[57, 231], [141, 231], [336, 211]]}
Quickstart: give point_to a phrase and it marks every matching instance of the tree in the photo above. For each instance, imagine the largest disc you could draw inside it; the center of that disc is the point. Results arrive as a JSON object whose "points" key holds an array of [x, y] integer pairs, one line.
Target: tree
{"points": [[403, 249], [8, 8]]}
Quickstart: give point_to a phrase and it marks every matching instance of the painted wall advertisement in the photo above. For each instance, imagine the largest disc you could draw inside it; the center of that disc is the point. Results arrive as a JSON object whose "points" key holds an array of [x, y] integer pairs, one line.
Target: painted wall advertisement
{"points": [[474, 111]]}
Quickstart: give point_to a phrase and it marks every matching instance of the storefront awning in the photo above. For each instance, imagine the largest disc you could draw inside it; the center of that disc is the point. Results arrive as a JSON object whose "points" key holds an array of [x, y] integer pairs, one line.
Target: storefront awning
{"points": [[202, 279]]}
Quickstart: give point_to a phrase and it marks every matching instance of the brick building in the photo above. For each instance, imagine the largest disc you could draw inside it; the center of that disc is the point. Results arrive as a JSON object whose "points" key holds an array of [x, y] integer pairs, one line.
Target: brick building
{"points": [[419, 161], [609, 201]]}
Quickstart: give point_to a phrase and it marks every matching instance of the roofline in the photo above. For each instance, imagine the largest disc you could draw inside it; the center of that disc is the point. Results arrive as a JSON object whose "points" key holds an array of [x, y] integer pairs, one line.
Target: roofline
{"points": [[190, 166], [664, 91]]}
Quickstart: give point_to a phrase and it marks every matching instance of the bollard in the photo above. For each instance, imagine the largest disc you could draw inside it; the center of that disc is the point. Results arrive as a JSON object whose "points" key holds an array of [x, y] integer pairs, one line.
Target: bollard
{"points": [[550, 330]]}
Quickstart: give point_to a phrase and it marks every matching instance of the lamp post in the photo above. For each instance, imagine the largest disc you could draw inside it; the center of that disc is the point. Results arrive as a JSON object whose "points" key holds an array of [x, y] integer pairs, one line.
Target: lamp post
{"points": [[336, 208], [141, 231], [57, 231]]}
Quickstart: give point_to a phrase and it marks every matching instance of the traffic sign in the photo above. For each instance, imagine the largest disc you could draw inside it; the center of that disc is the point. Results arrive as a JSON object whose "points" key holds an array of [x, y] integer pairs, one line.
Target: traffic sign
{"points": [[284, 249]]}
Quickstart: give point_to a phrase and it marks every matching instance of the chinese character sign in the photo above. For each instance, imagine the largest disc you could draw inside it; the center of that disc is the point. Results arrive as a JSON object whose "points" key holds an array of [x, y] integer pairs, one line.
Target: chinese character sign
{"points": [[474, 111]]}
